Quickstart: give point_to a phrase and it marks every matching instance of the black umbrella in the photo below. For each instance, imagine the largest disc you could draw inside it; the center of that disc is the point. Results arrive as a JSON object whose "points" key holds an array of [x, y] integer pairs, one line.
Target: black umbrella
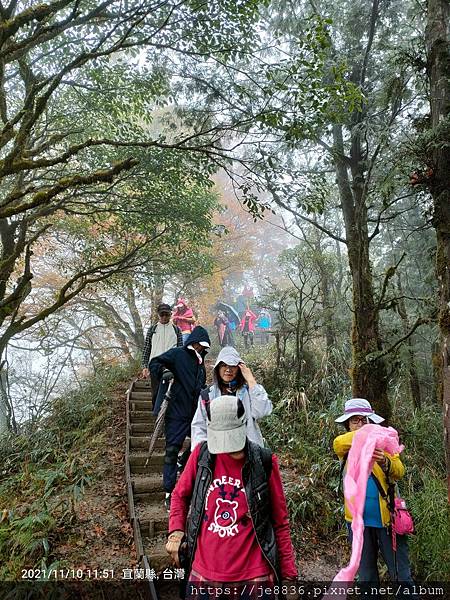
{"points": [[231, 312], [159, 421]]}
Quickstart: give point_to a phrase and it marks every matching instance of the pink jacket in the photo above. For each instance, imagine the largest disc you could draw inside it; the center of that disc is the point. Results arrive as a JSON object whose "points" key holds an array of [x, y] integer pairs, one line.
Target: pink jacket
{"points": [[251, 322], [179, 318]]}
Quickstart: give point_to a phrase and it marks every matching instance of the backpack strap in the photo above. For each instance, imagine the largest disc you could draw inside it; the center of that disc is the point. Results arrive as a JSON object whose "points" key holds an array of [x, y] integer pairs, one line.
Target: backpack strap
{"points": [[203, 451], [389, 497], [204, 395], [390, 501], [341, 472]]}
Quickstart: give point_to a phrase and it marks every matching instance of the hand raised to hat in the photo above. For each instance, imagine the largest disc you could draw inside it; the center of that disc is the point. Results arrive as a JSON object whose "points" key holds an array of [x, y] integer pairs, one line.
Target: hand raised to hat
{"points": [[247, 374]]}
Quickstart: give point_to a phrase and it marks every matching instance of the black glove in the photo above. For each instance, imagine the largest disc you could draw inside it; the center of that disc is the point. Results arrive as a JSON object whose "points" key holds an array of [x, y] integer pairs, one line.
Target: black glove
{"points": [[167, 375]]}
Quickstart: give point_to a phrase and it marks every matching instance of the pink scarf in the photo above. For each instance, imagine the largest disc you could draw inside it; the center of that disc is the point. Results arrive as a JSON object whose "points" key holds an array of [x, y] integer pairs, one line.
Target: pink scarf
{"points": [[188, 314], [359, 468]]}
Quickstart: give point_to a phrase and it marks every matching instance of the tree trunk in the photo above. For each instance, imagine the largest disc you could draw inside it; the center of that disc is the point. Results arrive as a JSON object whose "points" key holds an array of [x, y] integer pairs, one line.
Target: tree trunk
{"points": [[369, 377], [414, 384], [7, 420], [138, 336], [4, 421], [157, 293], [438, 52], [325, 295]]}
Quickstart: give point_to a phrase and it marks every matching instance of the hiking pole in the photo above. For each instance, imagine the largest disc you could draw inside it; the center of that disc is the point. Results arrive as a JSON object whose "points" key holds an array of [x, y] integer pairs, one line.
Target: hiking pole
{"points": [[159, 421]]}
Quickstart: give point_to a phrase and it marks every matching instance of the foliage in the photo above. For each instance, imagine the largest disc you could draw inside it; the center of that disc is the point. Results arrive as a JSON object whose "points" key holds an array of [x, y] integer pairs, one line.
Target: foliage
{"points": [[424, 487], [45, 470], [430, 547]]}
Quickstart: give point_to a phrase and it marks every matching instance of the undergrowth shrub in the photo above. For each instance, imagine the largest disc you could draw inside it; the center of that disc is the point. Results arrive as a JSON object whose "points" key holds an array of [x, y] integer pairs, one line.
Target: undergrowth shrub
{"points": [[425, 488], [430, 546], [45, 469], [304, 440]]}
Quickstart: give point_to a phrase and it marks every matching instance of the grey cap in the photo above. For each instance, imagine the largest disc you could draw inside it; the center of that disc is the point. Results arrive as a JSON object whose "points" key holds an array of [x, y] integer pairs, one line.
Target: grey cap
{"points": [[226, 429]]}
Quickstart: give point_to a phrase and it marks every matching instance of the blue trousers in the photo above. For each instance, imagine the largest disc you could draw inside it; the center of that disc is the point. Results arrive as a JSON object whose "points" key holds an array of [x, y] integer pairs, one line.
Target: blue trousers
{"points": [[176, 432], [377, 540]]}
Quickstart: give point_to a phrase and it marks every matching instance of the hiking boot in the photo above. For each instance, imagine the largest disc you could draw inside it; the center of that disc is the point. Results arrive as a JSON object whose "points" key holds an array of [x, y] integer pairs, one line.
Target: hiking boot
{"points": [[167, 501]]}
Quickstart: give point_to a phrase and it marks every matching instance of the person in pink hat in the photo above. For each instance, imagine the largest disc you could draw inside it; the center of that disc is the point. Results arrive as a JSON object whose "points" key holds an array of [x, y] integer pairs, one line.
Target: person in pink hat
{"points": [[183, 317], [387, 469]]}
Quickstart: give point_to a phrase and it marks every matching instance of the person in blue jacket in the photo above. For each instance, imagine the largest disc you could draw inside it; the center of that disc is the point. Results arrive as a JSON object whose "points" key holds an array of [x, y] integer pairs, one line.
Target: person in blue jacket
{"points": [[187, 365]]}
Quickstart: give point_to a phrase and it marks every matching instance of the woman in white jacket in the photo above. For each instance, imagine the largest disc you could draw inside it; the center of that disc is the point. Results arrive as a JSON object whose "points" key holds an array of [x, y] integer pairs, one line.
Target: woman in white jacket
{"points": [[232, 377]]}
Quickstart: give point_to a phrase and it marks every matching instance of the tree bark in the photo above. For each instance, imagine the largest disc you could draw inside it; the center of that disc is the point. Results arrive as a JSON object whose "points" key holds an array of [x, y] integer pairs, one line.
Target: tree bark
{"points": [[137, 321], [157, 292], [369, 377], [438, 53], [7, 420], [414, 383], [325, 293]]}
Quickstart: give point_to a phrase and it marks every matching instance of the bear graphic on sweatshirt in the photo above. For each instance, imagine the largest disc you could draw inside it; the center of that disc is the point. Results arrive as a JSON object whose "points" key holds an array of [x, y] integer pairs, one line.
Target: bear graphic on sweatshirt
{"points": [[225, 518]]}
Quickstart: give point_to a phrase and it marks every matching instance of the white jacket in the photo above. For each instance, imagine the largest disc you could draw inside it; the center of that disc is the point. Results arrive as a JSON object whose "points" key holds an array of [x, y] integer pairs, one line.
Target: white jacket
{"points": [[255, 401]]}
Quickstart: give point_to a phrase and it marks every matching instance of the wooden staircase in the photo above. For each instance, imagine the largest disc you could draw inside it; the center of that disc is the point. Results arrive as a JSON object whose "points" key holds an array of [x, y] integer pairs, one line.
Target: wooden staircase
{"points": [[148, 515]]}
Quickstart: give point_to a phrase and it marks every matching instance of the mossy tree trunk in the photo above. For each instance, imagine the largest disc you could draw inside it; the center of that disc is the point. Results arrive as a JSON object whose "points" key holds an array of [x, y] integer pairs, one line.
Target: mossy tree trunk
{"points": [[438, 52], [369, 377], [413, 376]]}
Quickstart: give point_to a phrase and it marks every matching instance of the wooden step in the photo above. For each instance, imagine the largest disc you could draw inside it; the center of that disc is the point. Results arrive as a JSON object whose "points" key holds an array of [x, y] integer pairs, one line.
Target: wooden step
{"points": [[153, 519], [141, 416], [137, 463], [142, 429], [140, 458], [158, 558], [146, 395], [144, 441], [142, 385], [141, 405], [152, 483], [156, 496]]}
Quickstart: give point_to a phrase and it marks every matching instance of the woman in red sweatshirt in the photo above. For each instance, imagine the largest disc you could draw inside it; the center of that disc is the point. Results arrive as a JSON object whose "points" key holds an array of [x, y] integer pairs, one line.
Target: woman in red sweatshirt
{"points": [[237, 533]]}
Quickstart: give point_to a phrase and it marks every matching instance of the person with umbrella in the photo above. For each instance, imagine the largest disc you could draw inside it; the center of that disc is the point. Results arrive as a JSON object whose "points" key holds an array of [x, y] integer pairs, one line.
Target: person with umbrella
{"points": [[188, 369], [222, 325]]}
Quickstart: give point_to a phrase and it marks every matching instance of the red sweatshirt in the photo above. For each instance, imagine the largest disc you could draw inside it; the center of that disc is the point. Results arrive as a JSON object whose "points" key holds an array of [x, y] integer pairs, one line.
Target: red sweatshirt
{"points": [[227, 549]]}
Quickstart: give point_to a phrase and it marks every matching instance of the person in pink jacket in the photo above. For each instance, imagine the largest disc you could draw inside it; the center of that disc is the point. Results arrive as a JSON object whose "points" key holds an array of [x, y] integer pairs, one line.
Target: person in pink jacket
{"points": [[237, 533], [247, 327], [376, 517], [183, 318]]}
